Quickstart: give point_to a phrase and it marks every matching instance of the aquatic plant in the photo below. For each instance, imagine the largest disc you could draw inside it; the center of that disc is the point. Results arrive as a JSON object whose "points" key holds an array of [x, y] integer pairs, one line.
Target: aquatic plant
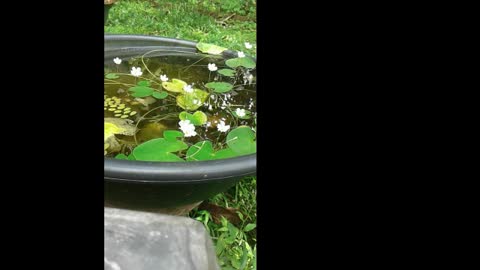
{"points": [[204, 112]]}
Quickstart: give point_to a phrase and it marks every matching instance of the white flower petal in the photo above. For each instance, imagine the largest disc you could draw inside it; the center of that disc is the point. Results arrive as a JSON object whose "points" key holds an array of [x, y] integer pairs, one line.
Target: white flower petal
{"points": [[222, 127], [137, 72], [240, 112], [212, 67], [188, 88], [163, 78]]}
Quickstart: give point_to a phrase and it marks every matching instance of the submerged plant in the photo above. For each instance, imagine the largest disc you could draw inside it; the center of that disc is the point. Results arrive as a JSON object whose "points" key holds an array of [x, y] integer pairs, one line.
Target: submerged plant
{"points": [[167, 114]]}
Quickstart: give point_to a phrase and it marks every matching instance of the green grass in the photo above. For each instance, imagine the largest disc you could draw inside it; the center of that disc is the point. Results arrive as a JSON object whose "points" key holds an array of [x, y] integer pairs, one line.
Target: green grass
{"points": [[227, 23], [195, 20], [235, 244]]}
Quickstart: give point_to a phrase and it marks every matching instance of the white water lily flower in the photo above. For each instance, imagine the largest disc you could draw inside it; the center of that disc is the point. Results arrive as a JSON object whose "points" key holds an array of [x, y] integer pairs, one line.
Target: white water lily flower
{"points": [[212, 67], [187, 128], [184, 123], [241, 55], [117, 60], [136, 71], [248, 45], [240, 112], [188, 88], [210, 107], [190, 133], [222, 127], [163, 78]]}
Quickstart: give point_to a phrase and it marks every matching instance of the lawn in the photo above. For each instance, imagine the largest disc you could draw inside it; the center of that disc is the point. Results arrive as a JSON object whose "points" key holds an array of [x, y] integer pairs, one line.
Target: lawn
{"points": [[229, 217], [228, 23]]}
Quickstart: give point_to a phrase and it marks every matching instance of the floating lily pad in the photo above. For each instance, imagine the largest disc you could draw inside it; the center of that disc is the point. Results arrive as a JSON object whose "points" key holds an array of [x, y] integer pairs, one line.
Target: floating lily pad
{"points": [[159, 150], [204, 151], [242, 140], [245, 62], [124, 157], [141, 91], [210, 48], [112, 76], [172, 135], [227, 72], [121, 156], [160, 95], [175, 86], [225, 153], [200, 151], [192, 101], [219, 87], [197, 119], [143, 83]]}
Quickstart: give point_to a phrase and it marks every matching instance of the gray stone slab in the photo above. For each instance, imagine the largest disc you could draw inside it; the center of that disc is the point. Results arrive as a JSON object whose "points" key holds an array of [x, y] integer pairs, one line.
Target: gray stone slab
{"points": [[146, 241]]}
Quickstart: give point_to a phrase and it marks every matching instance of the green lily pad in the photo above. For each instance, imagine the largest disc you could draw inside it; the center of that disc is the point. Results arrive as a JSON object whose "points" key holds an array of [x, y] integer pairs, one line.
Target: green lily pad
{"points": [[124, 157], [160, 95], [187, 100], [121, 156], [172, 135], [245, 62], [219, 87], [141, 91], [210, 48], [242, 140], [143, 83], [112, 76], [204, 151], [159, 150], [227, 72], [200, 151], [197, 119], [175, 86], [225, 153]]}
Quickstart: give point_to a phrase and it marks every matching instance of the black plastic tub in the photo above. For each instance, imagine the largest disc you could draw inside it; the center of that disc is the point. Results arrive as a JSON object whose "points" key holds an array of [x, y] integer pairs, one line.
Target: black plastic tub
{"points": [[154, 185]]}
